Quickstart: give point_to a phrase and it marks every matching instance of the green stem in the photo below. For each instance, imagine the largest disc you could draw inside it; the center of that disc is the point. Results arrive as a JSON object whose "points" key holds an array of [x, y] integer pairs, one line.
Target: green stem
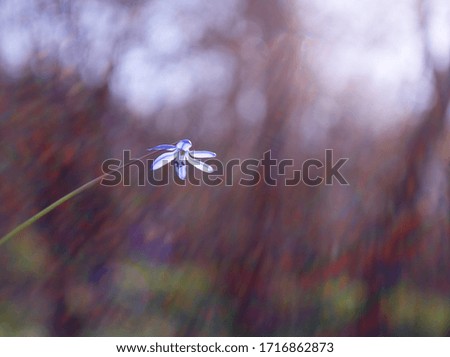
{"points": [[59, 202]]}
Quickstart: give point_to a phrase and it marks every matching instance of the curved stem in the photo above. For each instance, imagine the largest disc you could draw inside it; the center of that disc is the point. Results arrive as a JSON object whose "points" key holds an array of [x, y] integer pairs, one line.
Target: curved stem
{"points": [[63, 199]]}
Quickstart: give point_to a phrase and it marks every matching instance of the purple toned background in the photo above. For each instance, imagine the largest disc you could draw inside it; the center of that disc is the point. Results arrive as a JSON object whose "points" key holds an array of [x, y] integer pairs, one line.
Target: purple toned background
{"points": [[81, 81]]}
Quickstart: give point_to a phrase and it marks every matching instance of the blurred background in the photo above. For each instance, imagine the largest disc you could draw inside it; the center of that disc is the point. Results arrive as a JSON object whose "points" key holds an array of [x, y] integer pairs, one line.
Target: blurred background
{"points": [[80, 81]]}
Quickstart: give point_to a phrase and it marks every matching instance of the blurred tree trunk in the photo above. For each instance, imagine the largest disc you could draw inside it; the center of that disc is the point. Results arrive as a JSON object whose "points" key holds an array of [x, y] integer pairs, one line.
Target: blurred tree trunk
{"points": [[399, 223], [249, 280], [63, 134]]}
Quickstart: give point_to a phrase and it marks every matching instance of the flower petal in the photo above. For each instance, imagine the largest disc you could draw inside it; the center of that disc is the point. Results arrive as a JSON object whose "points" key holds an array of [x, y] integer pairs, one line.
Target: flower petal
{"points": [[199, 164], [202, 154], [164, 159], [162, 147], [181, 170], [184, 144]]}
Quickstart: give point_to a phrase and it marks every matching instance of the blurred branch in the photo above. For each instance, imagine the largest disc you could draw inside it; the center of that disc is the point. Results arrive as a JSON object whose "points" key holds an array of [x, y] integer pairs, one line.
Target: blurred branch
{"points": [[440, 77]]}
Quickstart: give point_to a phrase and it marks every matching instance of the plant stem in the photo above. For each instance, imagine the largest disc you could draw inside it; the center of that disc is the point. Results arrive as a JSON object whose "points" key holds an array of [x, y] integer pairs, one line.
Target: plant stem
{"points": [[67, 197]]}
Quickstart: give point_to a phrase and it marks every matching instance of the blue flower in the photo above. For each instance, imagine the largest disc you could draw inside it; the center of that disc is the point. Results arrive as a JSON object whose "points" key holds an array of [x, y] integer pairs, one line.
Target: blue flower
{"points": [[180, 153]]}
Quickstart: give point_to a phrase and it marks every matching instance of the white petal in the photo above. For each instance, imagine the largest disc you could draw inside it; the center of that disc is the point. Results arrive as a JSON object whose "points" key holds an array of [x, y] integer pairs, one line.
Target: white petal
{"points": [[199, 164], [202, 154], [184, 144], [164, 159], [181, 171], [162, 147]]}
